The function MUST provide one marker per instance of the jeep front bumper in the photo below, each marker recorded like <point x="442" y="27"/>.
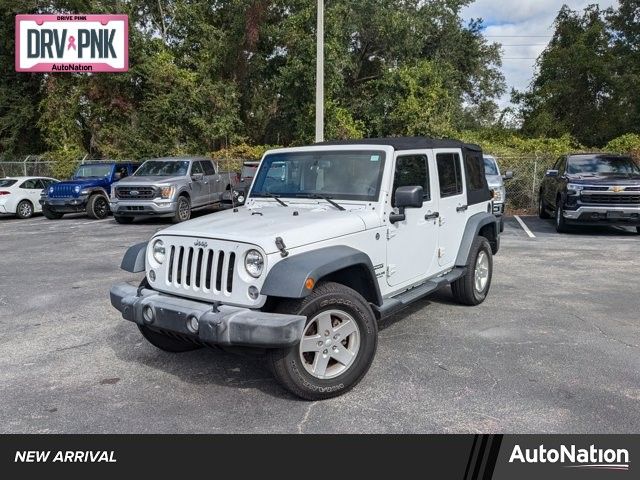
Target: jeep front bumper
<point x="65" y="205"/>
<point x="209" y="324"/>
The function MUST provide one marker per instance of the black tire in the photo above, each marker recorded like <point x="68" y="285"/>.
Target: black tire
<point x="24" y="209"/>
<point x="98" y="207"/>
<point x="561" y="224"/>
<point x="183" y="210"/>
<point x="288" y="364"/>
<point x="50" y="214"/>
<point x="542" y="211"/>
<point x="167" y="343"/>
<point x="464" y="289"/>
<point x="123" y="220"/>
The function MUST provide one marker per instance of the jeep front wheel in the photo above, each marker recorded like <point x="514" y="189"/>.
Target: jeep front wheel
<point x="337" y="348"/>
<point x="98" y="207"/>
<point x="473" y="287"/>
<point x="50" y="214"/>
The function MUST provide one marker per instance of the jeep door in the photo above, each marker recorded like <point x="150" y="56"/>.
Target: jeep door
<point x="200" y="186"/>
<point x="452" y="204"/>
<point x="412" y="243"/>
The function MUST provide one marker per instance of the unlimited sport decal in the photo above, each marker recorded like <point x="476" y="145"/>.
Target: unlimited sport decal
<point x="72" y="43"/>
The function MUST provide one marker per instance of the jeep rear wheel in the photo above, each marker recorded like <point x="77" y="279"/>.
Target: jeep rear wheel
<point x="98" y="207"/>
<point x="50" y="214"/>
<point x="337" y="348"/>
<point x="473" y="287"/>
<point x="167" y="343"/>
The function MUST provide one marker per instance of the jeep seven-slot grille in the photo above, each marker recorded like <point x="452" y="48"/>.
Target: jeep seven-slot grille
<point x="201" y="269"/>
<point x="62" y="191"/>
<point x="608" y="199"/>
<point x="136" y="193"/>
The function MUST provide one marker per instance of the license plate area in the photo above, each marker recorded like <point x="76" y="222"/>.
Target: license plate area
<point x="615" y="215"/>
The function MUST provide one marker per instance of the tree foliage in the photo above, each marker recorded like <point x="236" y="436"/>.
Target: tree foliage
<point x="211" y="74"/>
<point x="588" y="77"/>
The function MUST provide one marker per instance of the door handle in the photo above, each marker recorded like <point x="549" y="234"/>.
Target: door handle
<point x="432" y="216"/>
<point x="463" y="208"/>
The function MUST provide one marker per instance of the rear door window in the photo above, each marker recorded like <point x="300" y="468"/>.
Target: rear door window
<point x="208" y="168"/>
<point x="449" y="174"/>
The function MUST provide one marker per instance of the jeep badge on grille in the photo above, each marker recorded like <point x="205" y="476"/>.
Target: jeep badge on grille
<point x="202" y="244"/>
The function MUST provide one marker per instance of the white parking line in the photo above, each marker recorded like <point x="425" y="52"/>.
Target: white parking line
<point x="93" y="222"/>
<point x="524" y="227"/>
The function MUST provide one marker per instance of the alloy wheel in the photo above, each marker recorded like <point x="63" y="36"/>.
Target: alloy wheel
<point x="481" y="274"/>
<point x="330" y="344"/>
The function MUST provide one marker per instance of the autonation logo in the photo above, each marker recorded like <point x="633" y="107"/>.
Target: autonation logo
<point x="574" y="457"/>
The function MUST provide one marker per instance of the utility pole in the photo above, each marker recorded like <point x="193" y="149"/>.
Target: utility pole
<point x="320" y="74"/>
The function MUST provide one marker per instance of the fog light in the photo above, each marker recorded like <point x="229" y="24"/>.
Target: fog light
<point x="152" y="276"/>
<point x="147" y="315"/>
<point x="254" y="293"/>
<point x="193" y="325"/>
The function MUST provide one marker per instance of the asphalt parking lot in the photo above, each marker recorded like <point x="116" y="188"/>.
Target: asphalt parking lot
<point x="556" y="347"/>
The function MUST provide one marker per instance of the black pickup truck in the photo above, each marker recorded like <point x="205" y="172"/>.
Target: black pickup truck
<point x="592" y="189"/>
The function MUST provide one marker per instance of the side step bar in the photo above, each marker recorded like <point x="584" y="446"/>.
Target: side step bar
<point x="399" y="302"/>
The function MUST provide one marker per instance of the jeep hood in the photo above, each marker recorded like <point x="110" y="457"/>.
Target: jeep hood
<point x="83" y="182"/>
<point x="261" y="226"/>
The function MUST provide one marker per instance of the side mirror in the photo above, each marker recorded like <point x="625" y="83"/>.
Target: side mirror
<point x="508" y="176"/>
<point x="407" y="197"/>
<point x="197" y="177"/>
<point x="552" y="173"/>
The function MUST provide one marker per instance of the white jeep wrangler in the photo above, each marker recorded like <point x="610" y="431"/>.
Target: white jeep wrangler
<point x="333" y="238"/>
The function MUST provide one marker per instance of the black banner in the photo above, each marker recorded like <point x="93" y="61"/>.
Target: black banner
<point x="462" y="457"/>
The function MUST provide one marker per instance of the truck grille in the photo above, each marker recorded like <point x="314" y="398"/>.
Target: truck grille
<point x="201" y="269"/>
<point x="604" y="199"/>
<point x="62" y="191"/>
<point x="136" y="193"/>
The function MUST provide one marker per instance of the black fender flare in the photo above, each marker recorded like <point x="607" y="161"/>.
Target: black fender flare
<point x="472" y="230"/>
<point x="97" y="191"/>
<point x="287" y="279"/>
<point x="134" y="260"/>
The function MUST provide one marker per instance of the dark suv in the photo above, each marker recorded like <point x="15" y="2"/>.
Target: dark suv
<point x="592" y="189"/>
<point x="88" y="191"/>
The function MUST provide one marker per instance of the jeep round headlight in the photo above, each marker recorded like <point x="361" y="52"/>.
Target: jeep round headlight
<point x="159" y="252"/>
<point x="254" y="263"/>
<point x="77" y="189"/>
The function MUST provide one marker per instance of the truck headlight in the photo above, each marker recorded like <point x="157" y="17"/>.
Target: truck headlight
<point x="159" y="252"/>
<point x="499" y="195"/>
<point x="254" y="263"/>
<point x="167" y="192"/>
<point x="576" y="188"/>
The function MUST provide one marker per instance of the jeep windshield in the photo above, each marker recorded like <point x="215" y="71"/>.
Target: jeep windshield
<point x="339" y="175"/>
<point x="602" y="165"/>
<point x="93" y="171"/>
<point x="154" y="168"/>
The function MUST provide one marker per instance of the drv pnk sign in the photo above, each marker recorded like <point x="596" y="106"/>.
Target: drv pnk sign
<point x="72" y="43"/>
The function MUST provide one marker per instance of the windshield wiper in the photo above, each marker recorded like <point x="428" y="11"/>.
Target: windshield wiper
<point x="315" y="196"/>
<point x="276" y="198"/>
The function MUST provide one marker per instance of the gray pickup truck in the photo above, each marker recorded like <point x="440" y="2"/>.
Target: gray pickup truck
<point x="170" y="187"/>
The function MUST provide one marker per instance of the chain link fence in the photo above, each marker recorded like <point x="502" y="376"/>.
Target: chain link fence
<point x="528" y="172"/>
<point x="522" y="190"/>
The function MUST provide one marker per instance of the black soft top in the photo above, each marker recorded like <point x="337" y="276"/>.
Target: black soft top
<point x="407" y="143"/>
